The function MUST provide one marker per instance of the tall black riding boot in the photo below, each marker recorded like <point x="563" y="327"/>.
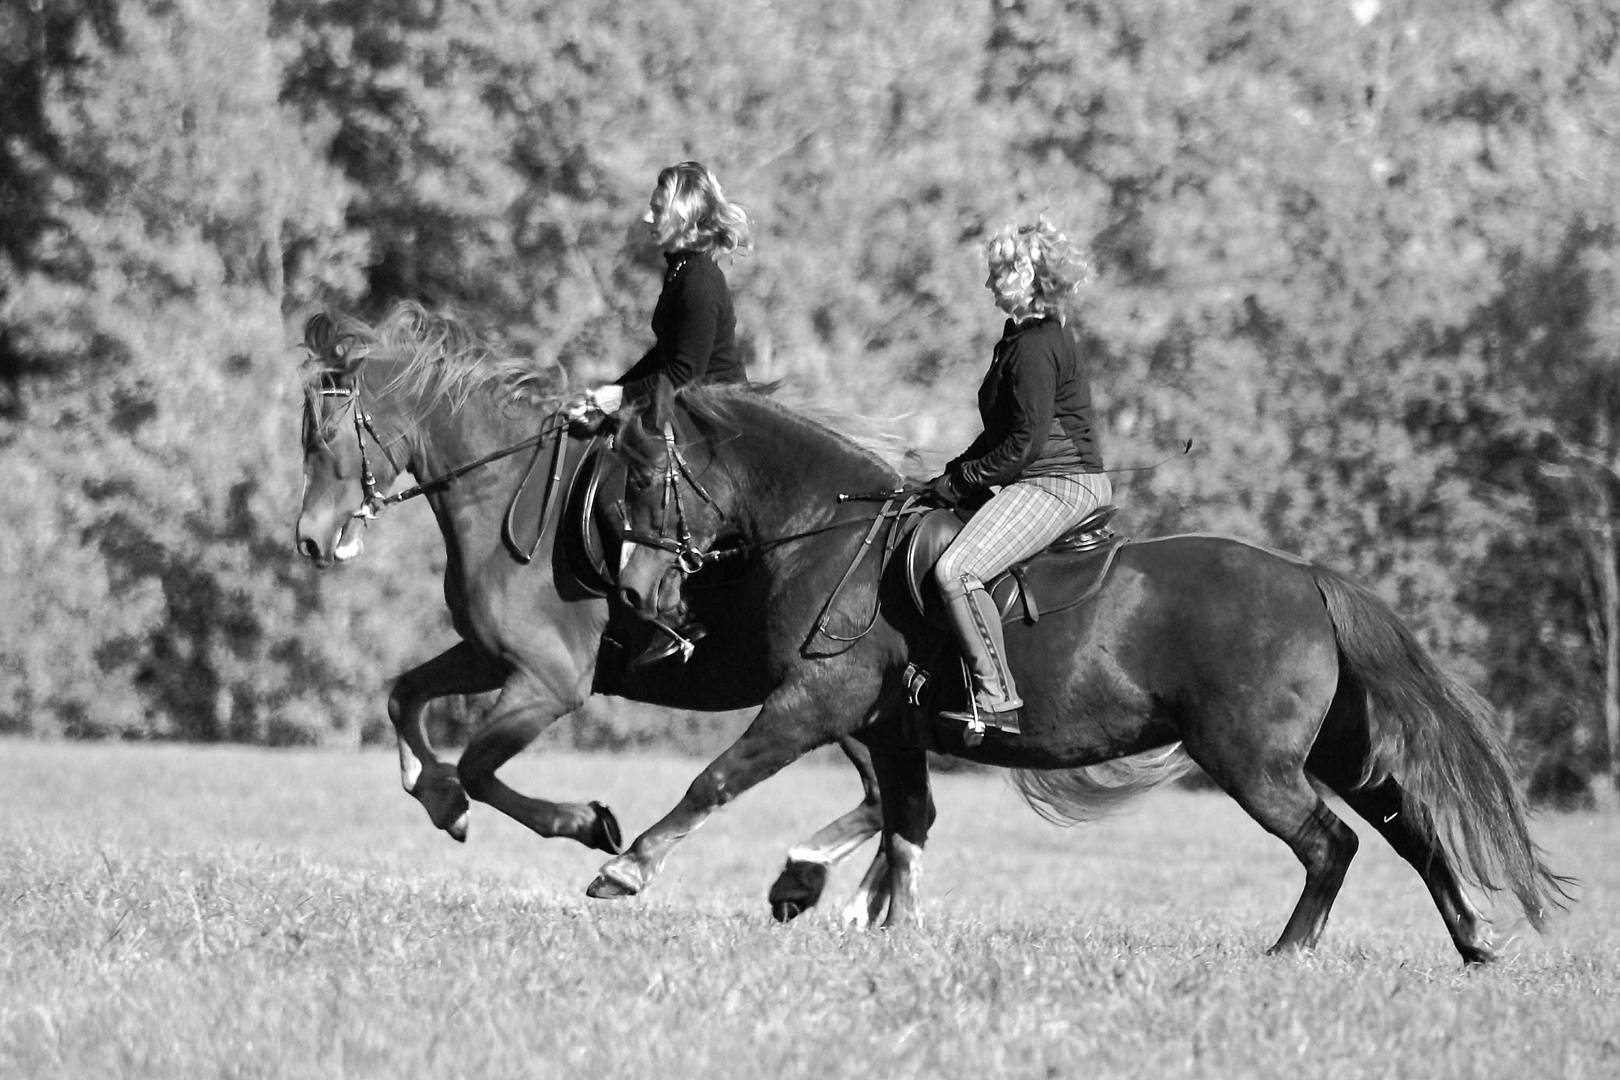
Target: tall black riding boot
<point x="977" y="624"/>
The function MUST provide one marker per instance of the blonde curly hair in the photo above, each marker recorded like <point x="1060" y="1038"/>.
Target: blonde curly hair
<point x="700" y="217"/>
<point x="1044" y="264"/>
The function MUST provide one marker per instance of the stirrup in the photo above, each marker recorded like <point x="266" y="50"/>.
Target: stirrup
<point x="977" y="720"/>
<point x="673" y="642"/>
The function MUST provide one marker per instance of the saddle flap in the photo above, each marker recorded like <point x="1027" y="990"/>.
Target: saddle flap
<point x="590" y="548"/>
<point x="568" y="489"/>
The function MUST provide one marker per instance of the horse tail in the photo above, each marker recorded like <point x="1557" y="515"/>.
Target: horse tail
<point x="1441" y="744"/>
<point x="1072" y="796"/>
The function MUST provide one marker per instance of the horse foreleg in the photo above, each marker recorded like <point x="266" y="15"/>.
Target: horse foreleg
<point x="779" y="734"/>
<point x="527" y="706"/>
<point x="802" y="880"/>
<point x="871" y="898"/>
<point x="460" y="669"/>
<point x="908" y="814"/>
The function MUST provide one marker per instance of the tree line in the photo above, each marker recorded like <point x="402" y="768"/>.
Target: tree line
<point x="1362" y="254"/>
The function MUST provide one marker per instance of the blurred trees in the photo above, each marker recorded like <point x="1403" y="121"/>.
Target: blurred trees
<point x="1363" y="254"/>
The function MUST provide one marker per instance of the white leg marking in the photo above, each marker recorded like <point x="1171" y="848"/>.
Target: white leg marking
<point x="907" y="858"/>
<point x="870" y="897"/>
<point x="410" y="770"/>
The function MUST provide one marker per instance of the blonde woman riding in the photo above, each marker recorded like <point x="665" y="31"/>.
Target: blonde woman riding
<point x="1038" y="452"/>
<point x="694" y="327"/>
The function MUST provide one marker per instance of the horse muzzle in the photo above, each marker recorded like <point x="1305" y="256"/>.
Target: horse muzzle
<point x="327" y="546"/>
<point x="650" y="583"/>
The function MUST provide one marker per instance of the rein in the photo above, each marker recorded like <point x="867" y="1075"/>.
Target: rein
<point x="375" y="501"/>
<point x="690" y="558"/>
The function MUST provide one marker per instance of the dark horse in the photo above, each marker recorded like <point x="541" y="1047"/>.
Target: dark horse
<point x="417" y="394"/>
<point x="1277" y="676"/>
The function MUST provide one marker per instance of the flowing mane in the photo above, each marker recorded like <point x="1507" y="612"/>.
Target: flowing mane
<point x="435" y="360"/>
<point x="715" y="407"/>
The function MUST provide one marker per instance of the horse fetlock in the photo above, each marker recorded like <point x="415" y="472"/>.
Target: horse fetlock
<point x="602" y="832"/>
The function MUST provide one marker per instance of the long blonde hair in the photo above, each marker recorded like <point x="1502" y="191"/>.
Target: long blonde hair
<point x="701" y="218"/>
<point x="1046" y="263"/>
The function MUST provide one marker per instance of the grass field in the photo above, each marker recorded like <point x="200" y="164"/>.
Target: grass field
<point x="183" y="912"/>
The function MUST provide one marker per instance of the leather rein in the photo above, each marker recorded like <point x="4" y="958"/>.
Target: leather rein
<point x="690" y="557"/>
<point x="376" y="502"/>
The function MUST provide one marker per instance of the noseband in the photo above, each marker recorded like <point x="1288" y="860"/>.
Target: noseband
<point x="556" y="426"/>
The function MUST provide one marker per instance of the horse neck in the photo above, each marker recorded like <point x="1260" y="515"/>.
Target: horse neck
<point x="792" y="473"/>
<point x="429" y="439"/>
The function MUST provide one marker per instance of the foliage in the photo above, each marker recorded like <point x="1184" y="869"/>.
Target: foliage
<point x="1364" y="255"/>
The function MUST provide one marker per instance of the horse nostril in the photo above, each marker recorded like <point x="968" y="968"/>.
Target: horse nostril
<point x="631" y="597"/>
<point x="309" y="549"/>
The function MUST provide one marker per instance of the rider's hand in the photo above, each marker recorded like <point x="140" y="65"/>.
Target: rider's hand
<point x="604" y="400"/>
<point x="942" y="489"/>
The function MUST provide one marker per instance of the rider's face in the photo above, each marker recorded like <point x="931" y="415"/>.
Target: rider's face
<point x="1010" y="293"/>
<point x="657" y="216"/>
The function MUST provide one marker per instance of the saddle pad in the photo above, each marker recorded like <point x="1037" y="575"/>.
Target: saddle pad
<point x="1060" y="577"/>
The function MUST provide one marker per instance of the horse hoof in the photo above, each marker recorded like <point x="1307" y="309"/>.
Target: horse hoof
<point x="605" y="835"/>
<point x="458" y="829"/>
<point x="797" y="890"/>
<point x="609" y="887"/>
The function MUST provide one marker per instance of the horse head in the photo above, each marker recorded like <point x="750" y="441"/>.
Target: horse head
<point x="342" y="477"/>
<point x="672" y="515"/>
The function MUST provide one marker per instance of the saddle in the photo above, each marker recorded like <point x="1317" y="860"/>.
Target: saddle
<point x="1068" y="572"/>
<point x="577" y="468"/>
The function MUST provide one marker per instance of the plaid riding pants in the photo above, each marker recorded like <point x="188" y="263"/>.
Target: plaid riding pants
<point x="1020" y="520"/>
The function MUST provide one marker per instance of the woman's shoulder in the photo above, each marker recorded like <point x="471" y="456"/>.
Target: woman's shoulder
<point x="1039" y="337"/>
<point x="704" y="276"/>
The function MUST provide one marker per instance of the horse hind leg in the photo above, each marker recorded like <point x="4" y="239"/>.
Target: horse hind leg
<point x="1285" y="804"/>
<point x="1338" y="759"/>
<point x="1324" y="844"/>
<point x="1381" y="805"/>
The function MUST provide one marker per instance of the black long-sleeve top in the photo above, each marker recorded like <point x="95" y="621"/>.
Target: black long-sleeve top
<point x="694" y="327"/>
<point x="1035" y="403"/>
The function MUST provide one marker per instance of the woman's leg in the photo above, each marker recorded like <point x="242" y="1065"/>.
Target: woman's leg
<point x="1019" y="521"/>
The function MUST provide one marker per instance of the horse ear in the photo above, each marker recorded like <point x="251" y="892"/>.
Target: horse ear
<point x="320" y="334"/>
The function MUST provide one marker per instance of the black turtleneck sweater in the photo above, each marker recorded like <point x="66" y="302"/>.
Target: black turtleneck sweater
<point x="1036" y="406"/>
<point x="694" y="327"/>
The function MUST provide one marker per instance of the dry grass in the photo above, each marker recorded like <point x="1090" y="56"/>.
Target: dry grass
<point x="185" y="912"/>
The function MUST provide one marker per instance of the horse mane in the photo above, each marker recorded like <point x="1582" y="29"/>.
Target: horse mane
<point x="436" y="360"/>
<point x="715" y="406"/>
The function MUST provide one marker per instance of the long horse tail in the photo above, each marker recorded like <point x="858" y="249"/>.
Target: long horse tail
<point x="1441" y="744"/>
<point x="1072" y="796"/>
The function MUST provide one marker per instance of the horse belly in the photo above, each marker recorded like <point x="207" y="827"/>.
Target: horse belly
<point x="1084" y="702"/>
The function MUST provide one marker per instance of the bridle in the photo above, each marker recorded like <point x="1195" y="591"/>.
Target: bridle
<point x="374" y="500"/>
<point x="689" y="558"/>
<point x="898" y="503"/>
